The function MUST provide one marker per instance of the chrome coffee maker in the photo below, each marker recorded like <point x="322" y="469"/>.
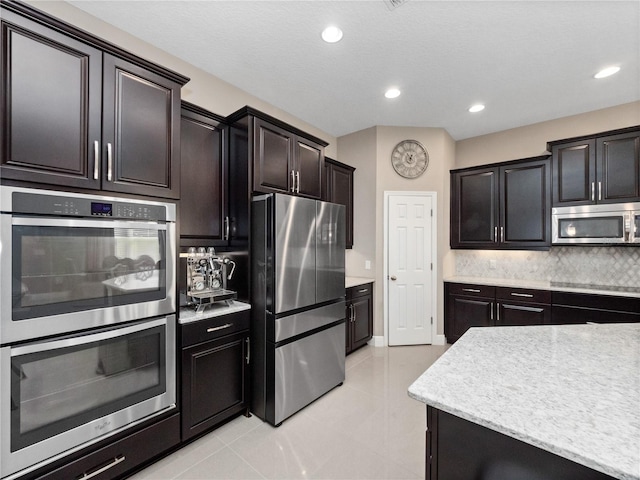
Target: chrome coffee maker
<point x="207" y="275"/>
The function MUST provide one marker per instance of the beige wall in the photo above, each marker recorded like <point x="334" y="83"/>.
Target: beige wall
<point x="531" y="140"/>
<point x="204" y="89"/>
<point x="370" y="152"/>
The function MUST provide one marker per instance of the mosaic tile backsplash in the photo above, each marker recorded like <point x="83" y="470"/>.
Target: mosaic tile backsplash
<point x="618" y="266"/>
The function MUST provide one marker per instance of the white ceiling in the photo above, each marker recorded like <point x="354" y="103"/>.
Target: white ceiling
<point x="528" y="61"/>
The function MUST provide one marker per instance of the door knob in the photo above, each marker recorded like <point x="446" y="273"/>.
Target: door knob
<point x="393" y="278"/>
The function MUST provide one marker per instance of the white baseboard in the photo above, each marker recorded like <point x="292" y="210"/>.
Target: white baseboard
<point x="439" y="340"/>
<point x="378" y="341"/>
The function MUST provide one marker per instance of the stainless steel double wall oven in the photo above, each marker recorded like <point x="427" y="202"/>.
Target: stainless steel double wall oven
<point x="87" y="321"/>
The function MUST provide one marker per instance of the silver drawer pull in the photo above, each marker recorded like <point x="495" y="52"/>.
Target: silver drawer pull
<point x="363" y="290"/>
<point x="528" y="295"/>
<point x="221" y="327"/>
<point x="116" y="461"/>
<point x="474" y="290"/>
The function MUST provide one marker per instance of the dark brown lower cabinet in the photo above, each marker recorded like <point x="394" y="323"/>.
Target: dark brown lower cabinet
<point x="359" y="315"/>
<point x="569" y="307"/>
<point x="215" y="372"/>
<point x="118" y="458"/>
<point x="469" y="305"/>
<point x="458" y="449"/>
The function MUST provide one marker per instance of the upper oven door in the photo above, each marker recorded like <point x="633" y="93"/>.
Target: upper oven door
<point x="64" y="275"/>
<point x="590" y="228"/>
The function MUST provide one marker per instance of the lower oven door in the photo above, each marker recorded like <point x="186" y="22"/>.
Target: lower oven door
<point x="61" y="395"/>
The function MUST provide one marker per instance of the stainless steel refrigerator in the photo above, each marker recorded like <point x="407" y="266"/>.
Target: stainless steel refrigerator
<point x="297" y="303"/>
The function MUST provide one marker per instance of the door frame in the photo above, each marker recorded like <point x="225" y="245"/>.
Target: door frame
<point x="434" y="256"/>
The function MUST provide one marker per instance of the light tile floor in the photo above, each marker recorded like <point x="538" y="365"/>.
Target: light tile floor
<point x="368" y="428"/>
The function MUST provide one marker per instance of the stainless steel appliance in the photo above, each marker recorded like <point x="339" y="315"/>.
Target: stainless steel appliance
<point x="73" y="261"/>
<point x="298" y="303"/>
<point x="207" y="276"/>
<point x="61" y="394"/>
<point x="87" y="321"/>
<point x="596" y="224"/>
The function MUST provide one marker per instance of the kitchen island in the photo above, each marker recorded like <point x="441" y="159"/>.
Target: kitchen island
<point x="531" y="403"/>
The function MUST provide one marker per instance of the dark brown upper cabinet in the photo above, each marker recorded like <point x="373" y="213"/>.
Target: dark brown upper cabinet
<point x="284" y="159"/>
<point x="79" y="112"/>
<point x="602" y="168"/>
<point x="502" y="206"/>
<point x="337" y="187"/>
<point x="204" y="217"/>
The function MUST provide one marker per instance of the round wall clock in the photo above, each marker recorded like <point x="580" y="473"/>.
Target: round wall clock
<point x="409" y="158"/>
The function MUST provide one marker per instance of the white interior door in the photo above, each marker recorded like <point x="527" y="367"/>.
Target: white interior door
<point x="410" y="242"/>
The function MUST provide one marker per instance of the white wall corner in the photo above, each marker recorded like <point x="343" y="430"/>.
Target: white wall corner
<point x="439" y="340"/>
<point x="376" y="341"/>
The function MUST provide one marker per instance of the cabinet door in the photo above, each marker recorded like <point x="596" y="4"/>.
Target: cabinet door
<point x="273" y="166"/>
<point x="362" y="322"/>
<point x="474" y="212"/>
<point x="466" y="312"/>
<point x="203" y="200"/>
<point x="309" y="161"/>
<point x="618" y="168"/>
<point x="522" y="314"/>
<point x="525" y="196"/>
<point x="51" y="105"/>
<point x="141" y="131"/>
<point x="214" y="382"/>
<point x="338" y="188"/>
<point x="574" y="173"/>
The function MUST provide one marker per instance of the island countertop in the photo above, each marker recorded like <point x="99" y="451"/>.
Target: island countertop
<point x="573" y="390"/>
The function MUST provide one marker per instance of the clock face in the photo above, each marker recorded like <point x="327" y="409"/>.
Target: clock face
<point x="410" y="159"/>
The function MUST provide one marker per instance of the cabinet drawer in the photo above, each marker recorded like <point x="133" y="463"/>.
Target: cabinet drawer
<point x="471" y="290"/>
<point x="360" y="290"/>
<point x="210" y="328"/>
<point x="525" y="295"/>
<point x="123" y="455"/>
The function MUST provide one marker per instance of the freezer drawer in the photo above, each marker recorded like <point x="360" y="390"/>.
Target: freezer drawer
<point x="306" y="369"/>
<point x="292" y="325"/>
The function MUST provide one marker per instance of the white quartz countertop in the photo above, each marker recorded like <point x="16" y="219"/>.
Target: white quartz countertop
<point x="188" y="314"/>
<point x="576" y="287"/>
<point x="355" y="281"/>
<point x="573" y="390"/>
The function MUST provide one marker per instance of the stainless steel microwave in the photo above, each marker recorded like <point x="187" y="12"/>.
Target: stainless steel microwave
<point x="617" y="223"/>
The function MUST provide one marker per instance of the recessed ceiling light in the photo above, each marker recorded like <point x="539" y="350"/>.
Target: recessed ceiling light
<point x="476" y="108"/>
<point x="606" y="72"/>
<point x="331" y="34"/>
<point x="392" y="93"/>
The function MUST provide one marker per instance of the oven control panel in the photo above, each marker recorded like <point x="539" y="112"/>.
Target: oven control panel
<point x="78" y="205"/>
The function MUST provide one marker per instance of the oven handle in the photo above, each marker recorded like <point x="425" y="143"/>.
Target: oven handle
<point x="84" y="339"/>
<point x="72" y="222"/>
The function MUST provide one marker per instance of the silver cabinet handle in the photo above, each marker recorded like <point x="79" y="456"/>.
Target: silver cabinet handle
<point x="593" y="191"/>
<point x="498" y="312"/>
<point x="293" y="181"/>
<point x="491" y="310"/>
<point x="298" y="181"/>
<point x="248" y="341"/>
<point x="116" y="461"/>
<point x="96" y="159"/>
<point x="502" y="234"/>
<point x="363" y="290"/>
<point x="528" y="295"/>
<point x="393" y="278"/>
<point x="221" y="327"/>
<point x="354" y="313"/>
<point x="599" y="190"/>
<point x="473" y="290"/>
<point x="226" y="228"/>
<point x="495" y="234"/>
<point x="109" y="162"/>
